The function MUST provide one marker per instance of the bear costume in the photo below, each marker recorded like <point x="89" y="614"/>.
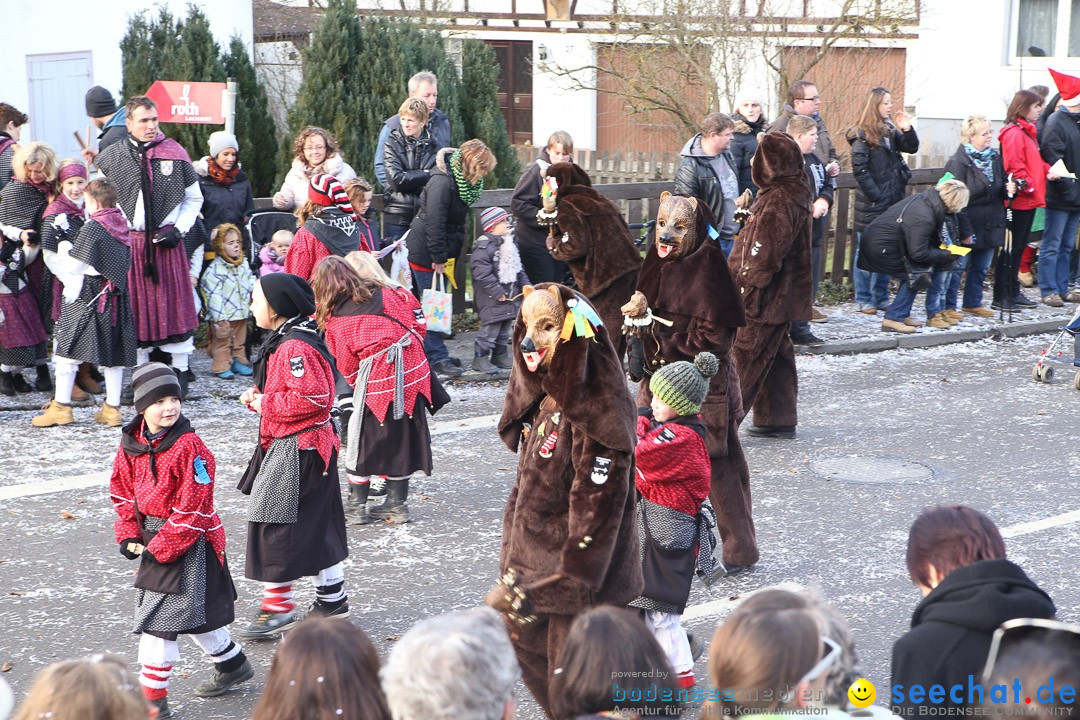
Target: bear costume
<point x="771" y="264"/>
<point x="592" y="238"/>
<point x="686" y="283"/>
<point x="569" y="529"/>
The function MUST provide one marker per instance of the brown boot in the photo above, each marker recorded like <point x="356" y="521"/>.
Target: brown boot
<point x="109" y="415"/>
<point x="55" y="414"/>
<point x="896" y="326"/>
<point x="78" y="395"/>
<point x="85" y="380"/>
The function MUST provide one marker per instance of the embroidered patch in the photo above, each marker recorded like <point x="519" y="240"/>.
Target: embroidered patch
<point x="600" y="469"/>
<point x="166" y="167"/>
<point x="556" y="418"/>
<point x="756" y="249"/>
<point x="418" y="313"/>
<point x="666" y="435"/>
<point x="296" y="366"/>
<point x="201" y="475"/>
<point x="549" y="444"/>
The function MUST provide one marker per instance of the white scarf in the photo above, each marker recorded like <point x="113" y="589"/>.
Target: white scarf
<point x="509" y="260"/>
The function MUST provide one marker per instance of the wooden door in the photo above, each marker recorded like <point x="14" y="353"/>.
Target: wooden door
<point x="515" y="87"/>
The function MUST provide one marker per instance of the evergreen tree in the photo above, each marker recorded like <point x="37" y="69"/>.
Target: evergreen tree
<point x="197" y="58"/>
<point x="254" y="126"/>
<point x="480" y="111"/>
<point x="144" y="47"/>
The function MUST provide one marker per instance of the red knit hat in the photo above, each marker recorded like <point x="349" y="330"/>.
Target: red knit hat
<point x="325" y="190"/>
<point x="1068" y="86"/>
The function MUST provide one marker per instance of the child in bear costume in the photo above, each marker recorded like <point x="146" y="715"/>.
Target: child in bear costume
<point x="569" y="538"/>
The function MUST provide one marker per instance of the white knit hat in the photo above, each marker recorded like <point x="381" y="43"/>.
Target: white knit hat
<point x="221" y="140"/>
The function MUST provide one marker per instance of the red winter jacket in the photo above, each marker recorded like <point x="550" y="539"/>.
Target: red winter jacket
<point x="179" y="495"/>
<point x="673" y="467"/>
<point x="355" y="332"/>
<point x="1020" y="151"/>
<point x="298" y="394"/>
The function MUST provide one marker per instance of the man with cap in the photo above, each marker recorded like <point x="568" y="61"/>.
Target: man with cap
<point x="1059" y="142"/>
<point x="158" y="190"/>
<point x="107" y="117"/>
<point x="497" y="282"/>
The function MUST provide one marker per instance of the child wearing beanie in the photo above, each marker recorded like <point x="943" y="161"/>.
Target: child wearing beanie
<point x="162" y="489"/>
<point x="497" y="281"/>
<point x="674" y="521"/>
<point x="226" y="286"/>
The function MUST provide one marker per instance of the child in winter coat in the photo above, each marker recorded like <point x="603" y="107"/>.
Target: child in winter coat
<point x="272" y="256"/>
<point x="360" y="193"/>
<point x="226" y="287"/>
<point x="673" y="480"/>
<point x="497" y="282"/>
<point x="376" y="334"/>
<point x="95" y="324"/>
<point x="162" y="489"/>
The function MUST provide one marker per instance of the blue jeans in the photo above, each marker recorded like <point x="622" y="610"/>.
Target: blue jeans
<point x="434" y="343"/>
<point x="871" y="289"/>
<point x="952" y="282"/>
<point x="935" y="296"/>
<point x="901" y="304"/>
<point x="978" y="262"/>
<point x="1059" y="236"/>
<point x="726" y="245"/>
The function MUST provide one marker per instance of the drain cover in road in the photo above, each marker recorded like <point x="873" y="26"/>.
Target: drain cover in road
<point x="871" y="469"/>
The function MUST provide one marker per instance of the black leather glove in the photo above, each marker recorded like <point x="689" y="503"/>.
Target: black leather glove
<point x="8" y="248"/>
<point x="169" y="238"/>
<point x="124" y="548"/>
<point x="32" y="237"/>
<point x="636" y="358"/>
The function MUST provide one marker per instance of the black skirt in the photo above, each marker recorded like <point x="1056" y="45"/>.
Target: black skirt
<point x="283" y="552"/>
<point x="103" y="338"/>
<point x="395" y="448"/>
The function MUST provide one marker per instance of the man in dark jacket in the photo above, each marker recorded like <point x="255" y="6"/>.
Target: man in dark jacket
<point x="707" y="172"/>
<point x="422" y="86"/>
<point x="1060" y="142"/>
<point x="804" y="99"/>
<point x="531" y="235"/>
<point x="107" y="117"/>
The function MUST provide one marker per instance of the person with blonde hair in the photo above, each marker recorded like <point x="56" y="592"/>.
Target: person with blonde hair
<point x="367" y="267"/>
<point x="22" y="204"/>
<point x="99" y="687"/>
<point x="315" y="152"/>
<point x="226" y="288"/>
<point x="408" y="159"/>
<point x="437" y="233"/>
<point x="422" y="86"/>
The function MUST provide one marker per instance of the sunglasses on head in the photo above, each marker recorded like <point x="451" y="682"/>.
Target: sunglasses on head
<point x="1012" y="632"/>
<point x="830" y="654"/>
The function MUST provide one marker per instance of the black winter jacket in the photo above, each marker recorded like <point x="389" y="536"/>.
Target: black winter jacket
<point x="985" y="210"/>
<point x="526" y="202"/>
<point x="880" y="172"/>
<point x="743" y="147"/>
<point x="695" y="177"/>
<point x="1060" y="140"/>
<point x="226" y="203"/>
<point x="438" y="230"/>
<point x="911" y="228"/>
<point x="408" y="162"/>
<point x="951" y="628"/>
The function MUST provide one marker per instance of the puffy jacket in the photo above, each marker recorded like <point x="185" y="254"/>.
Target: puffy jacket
<point x="985" y="210"/>
<point x="743" y="147"/>
<point x="295" y="187"/>
<point x="408" y="162"/>
<point x="225" y="203"/>
<point x="1060" y="140"/>
<point x="438" y="230"/>
<point x="1020" y="154"/>
<point x="880" y="172"/>
<point x="695" y="177"/>
<point x="910" y="228"/>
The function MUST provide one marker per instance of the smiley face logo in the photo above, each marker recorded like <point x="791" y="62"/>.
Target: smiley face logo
<point x="862" y="693"/>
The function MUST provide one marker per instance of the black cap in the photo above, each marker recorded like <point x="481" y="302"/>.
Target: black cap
<point x="99" y="102"/>
<point x="288" y="295"/>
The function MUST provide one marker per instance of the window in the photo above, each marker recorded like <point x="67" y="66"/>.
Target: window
<point x="1046" y="28"/>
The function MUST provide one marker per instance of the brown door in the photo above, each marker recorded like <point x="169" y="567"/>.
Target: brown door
<point x="515" y="87"/>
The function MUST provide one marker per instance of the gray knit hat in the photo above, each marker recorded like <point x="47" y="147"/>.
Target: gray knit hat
<point x="220" y="140"/>
<point x="682" y="386"/>
<point x="99" y="102"/>
<point x="152" y="382"/>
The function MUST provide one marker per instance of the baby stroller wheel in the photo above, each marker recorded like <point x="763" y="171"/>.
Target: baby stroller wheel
<point x="1076" y="381"/>
<point x="1035" y="373"/>
<point x="1043" y="374"/>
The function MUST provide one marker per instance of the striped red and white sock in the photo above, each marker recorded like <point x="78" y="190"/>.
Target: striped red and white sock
<point x="686" y="679"/>
<point x="155" y="681"/>
<point x="278" y="597"/>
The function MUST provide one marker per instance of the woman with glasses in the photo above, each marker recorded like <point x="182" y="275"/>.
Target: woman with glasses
<point x="881" y="174"/>
<point x="315" y="152"/>
<point x="956" y="557"/>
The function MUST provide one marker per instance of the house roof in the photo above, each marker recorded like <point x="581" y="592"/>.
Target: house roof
<point x="274" y="21"/>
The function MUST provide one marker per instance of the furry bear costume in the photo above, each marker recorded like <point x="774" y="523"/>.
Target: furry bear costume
<point x="572" y="511"/>
<point x="771" y="264"/>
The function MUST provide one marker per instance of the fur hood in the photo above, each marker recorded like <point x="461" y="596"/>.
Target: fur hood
<point x="442" y="159"/>
<point x="778" y="161"/>
<point x="585" y="378"/>
<point x="745" y="127"/>
<point x="742" y="128"/>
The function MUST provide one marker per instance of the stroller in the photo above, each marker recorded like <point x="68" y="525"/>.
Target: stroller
<point x="1043" y="372"/>
<point x="261" y="226"/>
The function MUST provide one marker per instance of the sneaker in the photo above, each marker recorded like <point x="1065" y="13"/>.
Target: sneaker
<point x="1026" y="279"/>
<point x="226" y="375"/>
<point x="868" y="310"/>
<point x="378" y="486"/>
<point x="895" y="326"/>
<point x="319" y="608"/>
<point x="808" y="339"/>
<point x="1053" y="300"/>
<point x="447" y="369"/>
<point x="818" y="317"/>
<point x="777" y="431"/>
<point x="912" y="322"/>
<point x="268" y="624"/>
<point x="162" y="705"/>
<point x="221" y="682"/>
<point x="1006" y="306"/>
<point x="240" y="368"/>
<point x="984" y="312"/>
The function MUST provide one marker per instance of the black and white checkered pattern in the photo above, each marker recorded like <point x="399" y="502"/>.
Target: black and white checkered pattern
<point x="275" y="492"/>
<point x="120" y="163"/>
<point x="161" y="612"/>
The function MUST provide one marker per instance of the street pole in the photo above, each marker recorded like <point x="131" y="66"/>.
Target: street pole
<point x="228" y="105"/>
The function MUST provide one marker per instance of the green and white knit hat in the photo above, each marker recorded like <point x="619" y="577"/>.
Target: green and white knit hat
<point x="682" y="386"/>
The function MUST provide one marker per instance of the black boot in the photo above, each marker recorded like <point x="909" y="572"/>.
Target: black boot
<point x="356" y="505"/>
<point x="181" y="375"/>
<point x="393" y="508"/>
<point x="127" y="396"/>
<point x="223" y="680"/>
<point x="7" y="383"/>
<point x="44" y="382"/>
<point x="501" y="359"/>
<point x="162" y="705"/>
<point x="20" y="384"/>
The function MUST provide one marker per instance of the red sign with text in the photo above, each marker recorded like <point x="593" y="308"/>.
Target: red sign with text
<point x="188" y="102"/>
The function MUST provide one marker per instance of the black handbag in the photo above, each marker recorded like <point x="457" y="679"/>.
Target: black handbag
<point x="919" y="277"/>
<point x="668" y="574"/>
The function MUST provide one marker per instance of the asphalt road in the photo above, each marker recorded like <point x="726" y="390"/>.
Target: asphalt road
<point x="880" y="437"/>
